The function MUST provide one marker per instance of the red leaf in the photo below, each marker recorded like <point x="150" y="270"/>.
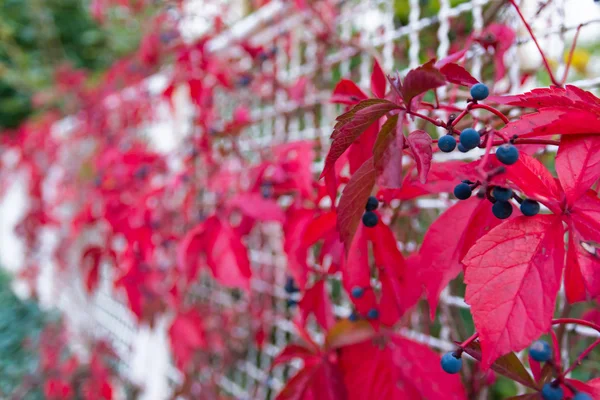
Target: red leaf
<point x="356" y="271"/>
<point x="554" y="121"/>
<point x="295" y="225"/>
<point x="290" y="352"/>
<point x="399" y="370"/>
<point x="585" y="215"/>
<point x="255" y="206"/>
<point x="419" y="143"/>
<point x="352" y="124"/>
<point x="316" y="301"/>
<point x="353" y="201"/>
<point x="513" y="275"/>
<point x="419" y="81"/>
<point x="346" y="92"/>
<point x="226" y="255"/>
<point x="447" y="240"/>
<point x="532" y="178"/>
<point x="399" y="291"/>
<point x="387" y="153"/>
<point x="582" y="274"/>
<point x="571" y="96"/>
<point x="186" y="335"/>
<point x="378" y="81"/>
<point x="91" y="259"/>
<point x="578" y="164"/>
<point x="189" y="251"/>
<point x="454" y="73"/>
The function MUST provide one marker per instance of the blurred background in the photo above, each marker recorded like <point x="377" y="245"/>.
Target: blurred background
<point x="63" y="60"/>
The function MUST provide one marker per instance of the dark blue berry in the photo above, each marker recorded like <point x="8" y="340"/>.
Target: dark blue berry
<point x="353" y="317"/>
<point x="582" y="396"/>
<point x="372" y="204"/>
<point x="469" y="138"/>
<point x="370" y="219"/>
<point x="540" y="351"/>
<point x="507" y="154"/>
<point x="550" y="392"/>
<point x="502" y="194"/>
<point x="373" y="313"/>
<point x="462" y="191"/>
<point x="290" y="286"/>
<point x="447" y="143"/>
<point x="502" y="209"/>
<point x="451" y="364"/>
<point x="479" y="91"/>
<point x="357" y="292"/>
<point x="461" y="148"/>
<point x="530" y="208"/>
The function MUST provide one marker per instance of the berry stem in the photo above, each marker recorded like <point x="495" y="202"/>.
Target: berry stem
<point x="579" y="359"/>
<point x="460" y="116"/>
<point x="426" y="118"/>
<point x="546" y="64"/>
<point x="488" y="147"/>
<point x="468" y="341"/>
<point x="474" y="106"/>
<point x="532" y="141"/>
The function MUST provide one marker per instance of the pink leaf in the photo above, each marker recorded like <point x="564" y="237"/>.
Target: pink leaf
<point x="578" y="164"/>
<point x="513" y="275"/>
<point x="356" y="271"/>
<point x="378" y="81"/>
<point x="585" y="216"/>
<point x="582" y="274"/>
<point x="255" y="206"/>
<point x="419" y="143"/>
<point x="186" y="335"/>
<point x="447" y="240"/>
<point x="316" y="301"/>
<point x="353" y="201"/>
<point x="554" y="121"/>
<point x="454" y="73"/>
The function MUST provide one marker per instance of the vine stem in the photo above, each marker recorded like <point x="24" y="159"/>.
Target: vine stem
<point x="474" y="106"/>
<point x="426" y="118"/>
<point x="488" y="148"/>
<point x="576" y="321"/>
<point x="557" y="364"/>
<point x="545" y="60"/>
<point x="570" y="59"/>
<point x="470" y="340"/>
<point x="580" y="358"/>
<point x="532" y="141"/>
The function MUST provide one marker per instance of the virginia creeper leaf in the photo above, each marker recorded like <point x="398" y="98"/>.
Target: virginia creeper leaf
<point x="513" y="275"/>
<point x="578" y="164"/>
<point x="454" y="73"/>
<point x="420" y="80"/>
<point x="378" y="80"/>
<point x="419" y="143"/>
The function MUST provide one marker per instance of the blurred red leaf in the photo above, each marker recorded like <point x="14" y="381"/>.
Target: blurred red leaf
<point x="419" y="143"/>
<point x="378" y="80"/>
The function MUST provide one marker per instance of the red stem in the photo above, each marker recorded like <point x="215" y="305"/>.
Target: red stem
<point x="488" y="147"/>
<point x="426" y="118"/>
<point x="570" y="59"/>
<point x="546" y="64"/>
<point x="581" y="357"/>
<point x="532" y="141"/>
<point x="557" y="361"/>
<point x="576" y="321"/>
<point x="497" y="113"/>
<point x="460" y="116"/>
<point x="470" y="340"/>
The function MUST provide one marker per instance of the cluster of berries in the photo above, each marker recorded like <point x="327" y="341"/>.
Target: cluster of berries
<point x="539" y="351"/>
<point x="357" y="292"/>
<point x="502" y="208"/>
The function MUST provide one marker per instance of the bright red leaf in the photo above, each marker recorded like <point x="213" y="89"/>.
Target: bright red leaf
<point x="420" y="80"/>
<point x="513" y="275"/>
<point x="419" y="143"/>
<point x="378" y="80"/>
<point x="454" y="73"/>
<point x="578" y="164"/>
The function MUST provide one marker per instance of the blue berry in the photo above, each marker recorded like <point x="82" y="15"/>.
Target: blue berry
<point x="502" y="209"/>
<point x="550" y="392"/>
<point x="451" y="364"/>
<point x="353" y="317"/>
<point x="447" y="143"/>
<point x="469" y="138"/>
<point x="540" y="351"/>
<point x="582" y="396"/>
<point x="530" y="208"/>
<point x="462" y="191"/>
<point x="290" y="286"/>
<point x="357" y="292"/>
<point x="507" y="154"/>
<point x="370" y="219"/>
<point x="291" y="303"/>
<point x="502" y="194"/>
<point x="372" y="204"/>
<point x="373" y="313"/>
<point x="479" y="91"/>
<point x="461" y="148"/>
